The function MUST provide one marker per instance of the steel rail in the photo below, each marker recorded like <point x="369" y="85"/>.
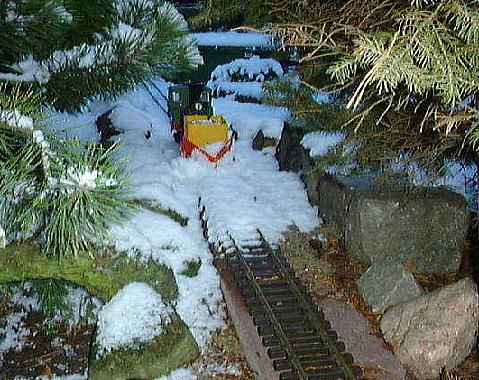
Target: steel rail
<point x="312" y="316"/>
<point x="285" y="343"/>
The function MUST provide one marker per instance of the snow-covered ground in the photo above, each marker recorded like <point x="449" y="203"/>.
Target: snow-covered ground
<point x="242" y="193"/>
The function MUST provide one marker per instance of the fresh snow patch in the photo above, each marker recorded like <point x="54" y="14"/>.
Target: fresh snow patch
<point x="15" y="119"/>
<point x="136" y="314"/>
<point x="247" y="89"/>
<point x="234" y="39"/>
<point x="180" y="374"/>
<point x="66" y="377"/>
<point x="28" y="70"/>
<point x="14" y="333"/>
<point x="319" y="142"/>
<point x="248" y="119"/>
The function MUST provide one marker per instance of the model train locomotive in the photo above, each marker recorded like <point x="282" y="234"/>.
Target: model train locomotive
<point x="193" y="124"/>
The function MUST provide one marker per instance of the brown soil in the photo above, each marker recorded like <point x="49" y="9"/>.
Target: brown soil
<point x="224" y="352"/>
<point x="50" y="349"/>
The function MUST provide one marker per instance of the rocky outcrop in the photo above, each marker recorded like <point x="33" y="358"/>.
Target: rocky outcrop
<point x="425" y="230"/>
<point x="387" y="283"/>
<point x="435" y="331"/>
<point x="260" y="141"/>
<point x="292" y="156"/>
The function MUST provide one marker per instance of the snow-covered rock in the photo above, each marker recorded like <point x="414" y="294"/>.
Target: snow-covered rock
<point x="136" y="314"/>
<point x="435" y="331"/>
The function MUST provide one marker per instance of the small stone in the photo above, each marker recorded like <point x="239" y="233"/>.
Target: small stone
<point x="387" y="283"/>
<point x="435" y="331"/>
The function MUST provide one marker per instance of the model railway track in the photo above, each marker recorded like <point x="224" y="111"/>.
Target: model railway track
<point x="299" y="341"/>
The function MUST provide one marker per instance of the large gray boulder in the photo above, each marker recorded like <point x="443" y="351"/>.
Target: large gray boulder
<point x="387" y="283"/>
<point x="425" y="229"/>
<point x="435" y="331"/>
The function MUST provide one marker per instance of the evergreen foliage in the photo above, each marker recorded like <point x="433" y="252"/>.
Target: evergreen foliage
<point x="60" y="53"/>
<point x="218" y="13"/>
<point x="73" y="49"/>
<point x="407" y="71"/>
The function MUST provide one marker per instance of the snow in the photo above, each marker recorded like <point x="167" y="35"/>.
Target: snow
<point x="319" y="142"/>
<point x="254" y="68"/>
<point x="231" y="38"/>
<point x="179" y="374"/>
<point x="82" y="304"/>
<point x="243" y="192"/>
<point x="248" y="119"/>
<point x="15" y="119"/>
<point x="136" y="314"/>
<point x="244" y="76"/>
<point x="14" y="333"/>
<point x="28" y="70"/>
<point x="67" y="377"/>
<point x="456" y="176"/>
<point x="249" y="89"/>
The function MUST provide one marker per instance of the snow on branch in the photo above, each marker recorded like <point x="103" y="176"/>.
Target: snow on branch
<point x="244" y="77"/>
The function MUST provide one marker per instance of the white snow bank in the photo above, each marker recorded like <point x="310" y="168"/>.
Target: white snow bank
<point x="249" y="39"/>
<point x="251" y="193"/>
<point x="136" y="314"/>
<point x="243" y="192"/>
<point x="248" y="119"/>
<point x="319" y="142"/>
<point x="28" y="70"/>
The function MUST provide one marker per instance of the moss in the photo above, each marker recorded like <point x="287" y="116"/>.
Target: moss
<point x="158" y="208"/>
<point x="173" y="349"/>
<point x="192" y="268"/>
<point x="102" y="276"/>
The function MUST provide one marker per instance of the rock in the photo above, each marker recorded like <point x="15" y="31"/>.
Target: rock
<point x="173" y="349"/>
<point x="387" y="283"/>
<point x="260" y="141"/>
<point x="292" y="156"/>
<point x="2" y="238"/>
<point x="435" y="331"/>
<point x="334" y="200"/>
<point x="425" y="230"/>
<point x="290" y="153"/>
